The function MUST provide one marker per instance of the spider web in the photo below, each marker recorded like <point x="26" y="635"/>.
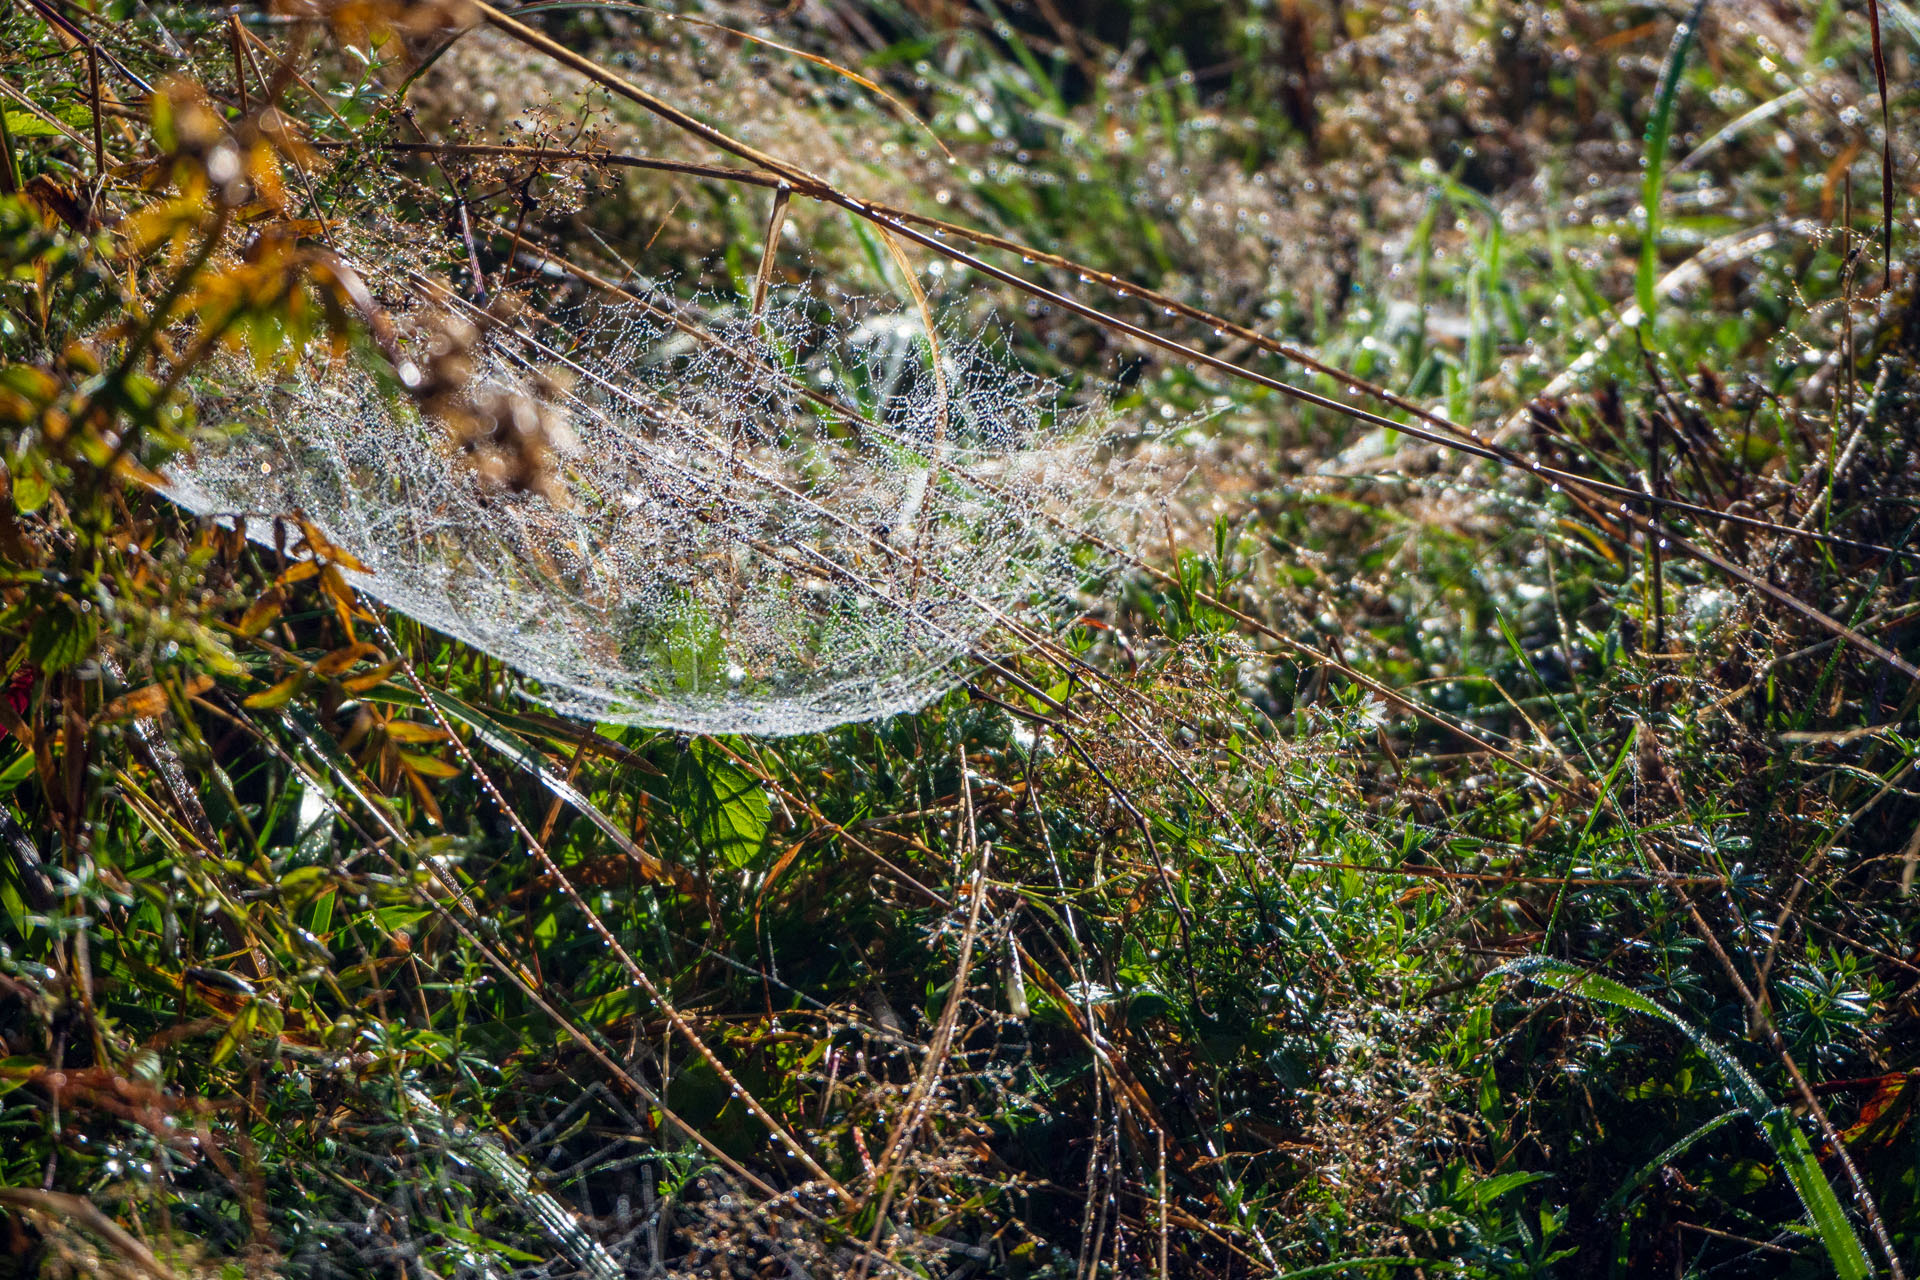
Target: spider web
<point x="764" y="523"/>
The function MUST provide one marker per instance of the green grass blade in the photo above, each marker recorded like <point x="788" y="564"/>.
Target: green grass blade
<point x="1796" y="1155"/>
<point x="1350" y="1266"/>
<point x="1672" y="1153"/>
<point x="1659" y="133"/>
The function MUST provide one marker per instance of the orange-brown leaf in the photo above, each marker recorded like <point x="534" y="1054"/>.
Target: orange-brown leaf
<point x="372" y="679"/>
<point x="342" y="658"/>
<point x="146" y="703"/>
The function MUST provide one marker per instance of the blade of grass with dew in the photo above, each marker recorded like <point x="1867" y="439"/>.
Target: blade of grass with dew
<point x="1797" y="1160"/>
<point x="1654" y="181"/>
<point x="1672" y="1153"/>
<point x="470" y="1145"/>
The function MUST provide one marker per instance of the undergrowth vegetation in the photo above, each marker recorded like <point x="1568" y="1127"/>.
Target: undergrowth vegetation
<point x="1462" y="824"/>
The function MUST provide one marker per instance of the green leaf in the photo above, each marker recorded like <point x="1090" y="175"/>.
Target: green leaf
<point x="16" y="1071"/>
<point x="237" y="1031"/>
<point x="18" y="770"/>
<point x="60" y="637"/>
<point x="723" y="805"/>
<point x="1848" y="1255"/>
<point x="1350" y="1266"/>
<point x="34" y="385"/>
<point x="22" y="125"/>
<point x="1488" y="1190"/>
<point x="213" y="652"/>
<point x="16" y="910"/>
<point x="1653" y="183"/>
<point x="611" y="1006"/>
<point x="30" y="490"/>
<point x="321" y="918"/>
<point x="474" y="1240"/>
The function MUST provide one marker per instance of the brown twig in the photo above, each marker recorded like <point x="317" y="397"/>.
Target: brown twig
<point x="93" y="93"/>
<point x="62" y="1207"/>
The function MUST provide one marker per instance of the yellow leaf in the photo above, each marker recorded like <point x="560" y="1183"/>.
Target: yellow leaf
<point x="419" y="788"/>
<point x="322" y="549"/>
<point x="1595" y="540"/>
<point x="278" y="696"/>
<point x="430" y="766"/>
<point x="334" y="583"/>
<point x="128" y="469"/>
<point x="410" y="731"/>
<point x="260" y="614"/>
<point x="264" y="169"/>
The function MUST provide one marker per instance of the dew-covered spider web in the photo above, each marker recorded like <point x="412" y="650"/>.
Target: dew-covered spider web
<point x="705" y="519"/>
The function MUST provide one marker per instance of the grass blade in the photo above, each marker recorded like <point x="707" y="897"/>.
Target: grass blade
<point x="1848" y="1255"/>
<point x="1672" y="1153"/>
<point x="1886" y="147"/>
<point x="1654" y="181"/>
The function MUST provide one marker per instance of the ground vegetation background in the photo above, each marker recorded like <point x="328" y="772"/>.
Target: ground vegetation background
<point x="1467" y="829"/>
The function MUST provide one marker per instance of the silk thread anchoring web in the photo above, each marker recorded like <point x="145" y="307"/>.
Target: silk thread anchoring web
<point x="660" y="522"/>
